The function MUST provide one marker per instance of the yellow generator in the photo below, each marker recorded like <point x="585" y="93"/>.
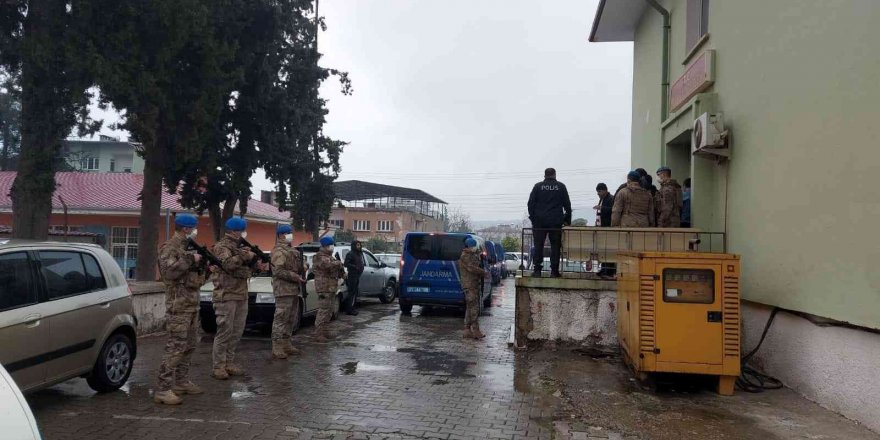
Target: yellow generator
<point x="679" y="312"/>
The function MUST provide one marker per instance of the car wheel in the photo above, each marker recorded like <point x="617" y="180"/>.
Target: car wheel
<point x="113" y="366"/>
<point x="209" y="322"/>
<point x="297" y="323"/>
<point x="389" y="292"/>
<point x="405" y="307"/>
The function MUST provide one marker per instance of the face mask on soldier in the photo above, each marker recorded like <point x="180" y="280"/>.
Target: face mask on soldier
<point x="288" y="238"/>
<point x="192" y="233"/>
<point x="244" y="234"/>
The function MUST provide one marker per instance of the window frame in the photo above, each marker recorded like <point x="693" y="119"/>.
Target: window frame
<point x="45" y="282"/>
<point x="373" y="257"/>
<point x="379" y="224"/>
<point x="126" y="246"/>
<point x="36" y="282"/>
<point x="336" y="223"/>
<point x="696" y="15"/>
<point x="87" y="165"/>
<point x="358" y="223"/>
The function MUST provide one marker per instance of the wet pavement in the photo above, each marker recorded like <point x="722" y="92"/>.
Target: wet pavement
<point x="401" y="377"/>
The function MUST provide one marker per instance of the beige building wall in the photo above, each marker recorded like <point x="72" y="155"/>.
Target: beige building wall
<point x="797" y="83"/>
<point x="402" y="222"/>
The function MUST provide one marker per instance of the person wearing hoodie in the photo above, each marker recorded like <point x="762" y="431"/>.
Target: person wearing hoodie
<point x="670" y="200"/>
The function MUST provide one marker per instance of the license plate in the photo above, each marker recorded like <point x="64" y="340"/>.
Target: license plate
<point x="418" y="289"/>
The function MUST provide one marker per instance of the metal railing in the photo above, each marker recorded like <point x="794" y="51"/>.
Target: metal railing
<point x="595" y="250"/>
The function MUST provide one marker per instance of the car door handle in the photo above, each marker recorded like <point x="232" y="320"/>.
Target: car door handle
<point x="104" y="303"/>
<point x="32" y="321"/>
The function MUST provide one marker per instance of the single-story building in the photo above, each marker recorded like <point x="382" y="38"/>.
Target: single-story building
<point x="107" y="204"/>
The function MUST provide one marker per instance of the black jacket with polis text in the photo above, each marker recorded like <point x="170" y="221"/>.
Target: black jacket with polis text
<point x="549" y="204"/>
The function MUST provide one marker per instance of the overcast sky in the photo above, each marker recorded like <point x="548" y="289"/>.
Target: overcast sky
<point x="470" y="100"/>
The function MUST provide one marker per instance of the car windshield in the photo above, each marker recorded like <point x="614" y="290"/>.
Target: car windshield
<point x="435" y="247"/>
<point x="390" y="260"/>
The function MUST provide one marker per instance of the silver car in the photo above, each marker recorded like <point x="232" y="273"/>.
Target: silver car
<point x="65" y="312"/>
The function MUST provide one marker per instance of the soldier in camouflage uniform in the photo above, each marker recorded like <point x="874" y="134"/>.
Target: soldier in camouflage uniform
<point x="231" y="297"/>
<point x="183" y="275"/>
<point x="669" y="200"/>
<point x="471" y="275"/>
<point x="287" y="270"/>
<point x="633" y="205"/>
<point x="328" y="271"/>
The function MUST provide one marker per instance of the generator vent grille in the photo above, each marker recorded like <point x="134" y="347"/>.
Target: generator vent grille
<point x="731" y="316"/>
<point x="646" y="313"/>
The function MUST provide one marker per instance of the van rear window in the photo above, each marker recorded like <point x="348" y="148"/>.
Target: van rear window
<point x="435" y="247"/>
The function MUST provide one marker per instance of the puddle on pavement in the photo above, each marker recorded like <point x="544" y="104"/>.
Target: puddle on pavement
<point x="437" y="363"/>
<point x="386" y="348"/>
<point x="242" y="391"/>
<point x="350" y="368"/>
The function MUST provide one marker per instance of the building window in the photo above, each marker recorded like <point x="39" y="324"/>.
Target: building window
<point x="697" y="22"/>
<point x="126" y="170"/>
<point x="338" y="224"/>
<point x="112" y="165"/>
<point x="89" y="164"/>
<point x="362" y="225"/>
<point x="384" y="225"/>
<point x="60" y="228"/>
<point x="124" y="246"/>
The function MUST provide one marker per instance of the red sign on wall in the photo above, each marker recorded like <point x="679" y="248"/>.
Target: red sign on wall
<point x="695" y="79"/>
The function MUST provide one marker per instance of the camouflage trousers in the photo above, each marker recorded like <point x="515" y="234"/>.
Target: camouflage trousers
<point x="326" y="305"/>
<point x="472" y="304"/>
<point x="182" y="338"/>
<point x="231" y="318"/>
<point x="286" y="312"/>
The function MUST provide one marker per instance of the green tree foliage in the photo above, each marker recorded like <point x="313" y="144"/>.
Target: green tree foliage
<point x="579" y="222"/>
<point x="45" y="44"/>
<point x="272" y="119"/>
<point x="166" y="64"/>
<point x="377" y="245"/>
<point x="511" y="244"/>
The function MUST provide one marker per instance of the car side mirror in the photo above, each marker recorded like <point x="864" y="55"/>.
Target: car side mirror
<point x="382" y="265"/>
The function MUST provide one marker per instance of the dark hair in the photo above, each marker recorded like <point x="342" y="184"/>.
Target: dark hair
<point x="601" y="187"/>
<point x="646" y="181"/>
<point x="550" y="172"/>
<point x="687" y="182"/>
<point x="642" y="172"/>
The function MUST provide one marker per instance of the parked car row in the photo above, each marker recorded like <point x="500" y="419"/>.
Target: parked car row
<point x="378" y="280"/>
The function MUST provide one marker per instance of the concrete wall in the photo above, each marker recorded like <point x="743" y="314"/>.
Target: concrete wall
<point x="796" y="84"/>
<point x="833" y="366"/>
<point x="576" y="311"/>
<point x="148" y="299"/>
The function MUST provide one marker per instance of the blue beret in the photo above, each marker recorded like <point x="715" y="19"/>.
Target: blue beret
<point x="634" y="176"/>
<point x="236" y="224"/>
<point x="327" y="241"/>
<point x="470" y="242"/>
<point x="186" y="220"/>
<point x="284" y="229"/>
<point x="664" y="169"/>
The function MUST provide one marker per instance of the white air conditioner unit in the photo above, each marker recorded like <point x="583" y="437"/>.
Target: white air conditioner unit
<point x="709" y="138"/>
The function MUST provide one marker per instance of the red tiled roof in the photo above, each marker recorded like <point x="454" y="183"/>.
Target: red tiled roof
<point x="115" y="192"/>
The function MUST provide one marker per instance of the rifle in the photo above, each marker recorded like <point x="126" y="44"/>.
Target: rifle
<point x="207" y="256"/>
<point x="258" y="253"/>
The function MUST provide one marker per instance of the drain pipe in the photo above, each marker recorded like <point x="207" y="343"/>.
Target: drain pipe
<point x="664" y="82"/>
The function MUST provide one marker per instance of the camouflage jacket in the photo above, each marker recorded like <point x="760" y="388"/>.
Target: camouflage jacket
<point x="327" y="272"/>
<point x="231" y="282"/>
<point x="469" y="270"/>
<point x="287" y="265"/>
<point x="181" y="275"/>
<point x="633" y="207"/>
<point x="669" y="207"/>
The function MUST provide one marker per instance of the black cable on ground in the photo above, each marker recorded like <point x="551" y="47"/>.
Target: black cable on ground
<point x="751" y="380"/>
